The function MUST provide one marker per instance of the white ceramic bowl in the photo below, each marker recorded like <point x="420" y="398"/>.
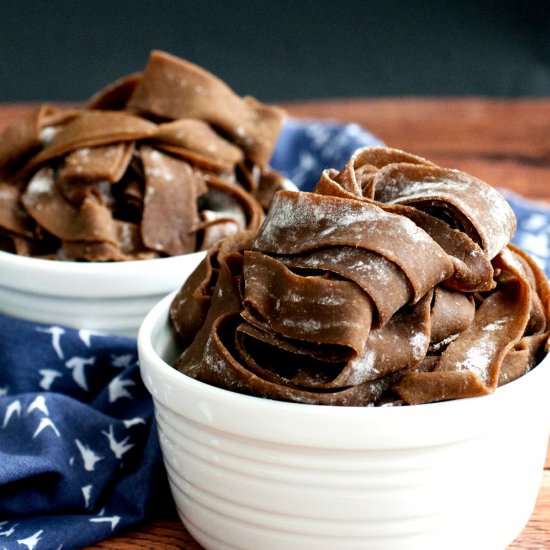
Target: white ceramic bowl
<point x="109" y="297"/>
<point x="250" y="473"/>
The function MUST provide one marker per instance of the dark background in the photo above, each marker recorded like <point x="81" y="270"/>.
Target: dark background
<point x="281" y="49"/>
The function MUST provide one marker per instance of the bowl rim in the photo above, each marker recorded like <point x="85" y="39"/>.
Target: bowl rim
<point x="74" y="267"/>
<point x="87" y="279"/>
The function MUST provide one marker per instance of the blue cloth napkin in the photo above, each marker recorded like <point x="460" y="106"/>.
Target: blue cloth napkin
<point x="306" y="148"/>
<point x="79" y="456"/>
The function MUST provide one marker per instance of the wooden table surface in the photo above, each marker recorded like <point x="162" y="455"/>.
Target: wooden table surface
<point x="504" y="142"/>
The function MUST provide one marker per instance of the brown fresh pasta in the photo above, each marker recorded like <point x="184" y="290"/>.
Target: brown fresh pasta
<point x="393" y="283"/>
<point x="159" y="163"/>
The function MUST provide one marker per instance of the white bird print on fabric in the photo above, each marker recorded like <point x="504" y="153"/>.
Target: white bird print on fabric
<point x="117" y="389"/>
<point x="56" y="333"/>
<point x="39" y="404"/>
<point x="77" y="365"/>
<point x="46" y="423"/>
<point x="85" y="335"/>
<point x="89" y="457"/>
<point x="122" y="361"/>
<point x="13" y="408"/>
<point x="32" y="541"/>
<point x="8" y="532"/>
<point x="133" y="421"/>
<point x="86" y="492"/>
<point x="3" y="391"/>
<point x="48" y="377"/>
<point x="119" y="448"/>
<point x="113" y="520"/>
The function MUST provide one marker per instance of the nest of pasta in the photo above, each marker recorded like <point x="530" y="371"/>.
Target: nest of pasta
<point x="393" y="283"/>
<point x="160" y="163"/>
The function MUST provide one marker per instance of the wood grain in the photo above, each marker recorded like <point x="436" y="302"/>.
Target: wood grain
<point x="505" y="142"/>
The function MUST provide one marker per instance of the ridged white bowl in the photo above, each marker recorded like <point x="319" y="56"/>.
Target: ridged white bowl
<point x="110" y="297"/>
<point x="250" y="473"/>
